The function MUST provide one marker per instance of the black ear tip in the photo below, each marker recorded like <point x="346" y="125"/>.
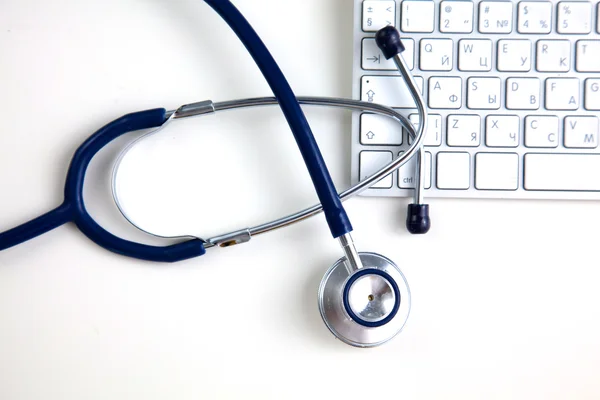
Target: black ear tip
<point x="417" y="219"/>
<point x="387" y="31"/>
<point x="388" y="40"/>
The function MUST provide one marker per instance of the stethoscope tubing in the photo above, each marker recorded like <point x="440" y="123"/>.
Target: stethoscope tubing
<point x="73" y="207"/>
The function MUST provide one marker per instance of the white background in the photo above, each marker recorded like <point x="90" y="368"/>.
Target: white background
<point x="506" y="294"/>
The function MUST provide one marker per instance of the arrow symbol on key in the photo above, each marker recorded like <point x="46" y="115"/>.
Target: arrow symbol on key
<point x="389" y="9"/>
<point x="370" y="95"/>
<point x="375" y="59"/>
<point x="370" y="135"/>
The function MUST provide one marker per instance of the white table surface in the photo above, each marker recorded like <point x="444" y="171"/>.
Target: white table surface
<point x="506" y="294"/>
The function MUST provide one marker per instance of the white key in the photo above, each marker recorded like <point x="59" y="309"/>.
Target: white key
<point x="417" y="16"/>
<point x="433" y="135"/>
<point x="464" y="130"/>
<point x="514" y="55"/>
<point x="475" y="55"/>
<point x="436" y="54"/>
<point x="406" y="175"/>
<point x="541" y="131"/>
<point x="535" y="17"/>
<point x="592" y="94"/>
<point x="562" y="93"/>
<point x="388" y="90"/>
<point x="495" y="16"/>
<point x="574" y="17"/>
<point x="483" y="93"/>
<point x="562" y="172"/>
<point x="581" y="132"/>
<point x="588" y="56"/>
<point x="372" y="59"/>
<point x="598" y="19"/>
<point x="553" y="56"/>
<point x="453" y="170"/>
<point x="379" y="130"/>
<point x="373" y="161"/>
<point x="523" y="93"/>
<point x="445" y="92"/>
<point x="456" y="16"/>
<point x="502" y="131"/>
<point x="409" y="52"/>
<point x="497" y="171"/>
<point x="378" y="14"/>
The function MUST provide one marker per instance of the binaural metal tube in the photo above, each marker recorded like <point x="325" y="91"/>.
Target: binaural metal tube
<point x="355" y="105"/>
<point x="420" y="172"/>
<point x="420" y="132"/>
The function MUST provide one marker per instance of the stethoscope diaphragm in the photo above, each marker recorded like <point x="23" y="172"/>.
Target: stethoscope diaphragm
<point x="367" y="307"/>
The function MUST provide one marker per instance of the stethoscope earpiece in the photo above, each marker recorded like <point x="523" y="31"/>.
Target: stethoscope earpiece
<point x="417" y="219"/>
<point x="368" y="306"/>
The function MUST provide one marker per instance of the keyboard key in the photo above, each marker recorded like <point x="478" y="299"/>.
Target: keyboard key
<point x="592" y="94"/>
<point x="373" y="161"/>
<point x="456" y="16"/>
<point x="523" y="93"/>
<point x="553" y="56"/>
<point x="497" y="171"/>
<point x="379" y="130"/>
<point x="464" y="130"/>
<point x="372" y="59"/>
<point x="433" y="135"/>
<point x="574" y="17"/>
<point x="378" y="14"/>
<point x="453" y="170"/>
<point x="541" y="131"/>
<point x="436" y="54"/>
<point x="569" y="172"/>
<point x="588" y="56"/>
<point x="388" y="90"/>
<point x="495" y="17"/>
<point x="406" y="175"/>
<point x="502" y="131"/>
<point x="445" y="92"/>
<point x="562" y="93"/>
<point x="514" y="55"/>
<point x="483" y="93"/>
<point x="535" y="17"/>
<point x="417" y="16"/>
<point x="409" y="52"/>
<point x="581" y="132"/>
<point x="475" y="55"/>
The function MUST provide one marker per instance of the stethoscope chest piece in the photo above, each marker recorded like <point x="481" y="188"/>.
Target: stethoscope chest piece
<point x="367" y="307"/>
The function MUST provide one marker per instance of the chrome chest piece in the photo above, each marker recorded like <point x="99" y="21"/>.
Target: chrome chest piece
<point x="365" y="307"/>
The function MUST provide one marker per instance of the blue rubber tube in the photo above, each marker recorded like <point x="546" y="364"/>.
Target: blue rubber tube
<point x="73" y="208"/>
<point x="336" y="216"/>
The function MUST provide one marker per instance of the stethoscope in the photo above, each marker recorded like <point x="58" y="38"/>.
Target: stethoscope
<point x="364" y="298"/>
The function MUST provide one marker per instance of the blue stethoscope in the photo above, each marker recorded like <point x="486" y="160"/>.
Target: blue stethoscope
<point x="363" y="298"/>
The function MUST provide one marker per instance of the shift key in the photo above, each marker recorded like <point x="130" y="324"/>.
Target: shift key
<point x="564" y="172"/>
<point x="388" y="90"/>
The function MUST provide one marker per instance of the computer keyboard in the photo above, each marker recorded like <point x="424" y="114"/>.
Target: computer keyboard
<point x="513" y="91"/>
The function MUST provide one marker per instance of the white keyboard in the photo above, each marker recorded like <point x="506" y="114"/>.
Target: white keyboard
<point x="513" y="91"/>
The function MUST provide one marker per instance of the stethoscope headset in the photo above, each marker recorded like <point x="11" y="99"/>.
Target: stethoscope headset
<point x="364" y="298"/>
